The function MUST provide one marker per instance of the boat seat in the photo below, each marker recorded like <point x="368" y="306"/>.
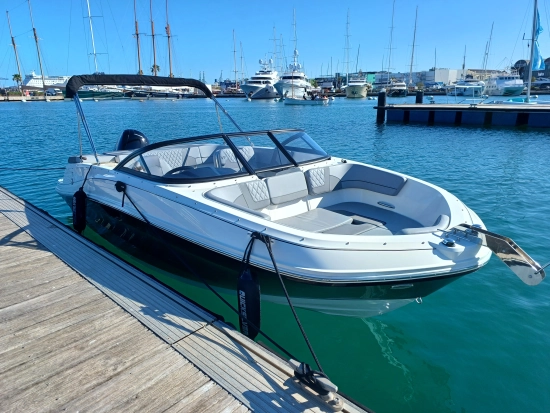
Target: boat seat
<point x="347" y="175"/>
<point x="156" y="165"/>
<point x="286" y="187"/>
<point x="248" y="196"/>
<point x="442" y="222"/>
<point x="225" y="158"/>
<point x="316" y="220"/>
<point x="359" y="226"/>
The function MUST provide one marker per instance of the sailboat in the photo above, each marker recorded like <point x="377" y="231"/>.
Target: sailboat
<point x="394" y="88"/>
<point x="536" y="62"/>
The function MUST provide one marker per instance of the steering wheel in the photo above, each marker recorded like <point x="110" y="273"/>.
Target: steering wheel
<point x="179" y="169"/>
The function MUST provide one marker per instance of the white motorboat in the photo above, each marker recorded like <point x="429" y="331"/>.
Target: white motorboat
<point x="348" y="238"/>
<point x="468" y="87"/>
<point x="262" y="84"/>
<point x="509" y="84"/>
<point x="306" y="100"/>
<point x="397" y="88"/>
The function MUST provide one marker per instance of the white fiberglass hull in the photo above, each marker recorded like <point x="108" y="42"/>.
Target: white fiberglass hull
<point x="260" y="92"/>
<point x="356" y="91"/>
<point x="292" y="89"/>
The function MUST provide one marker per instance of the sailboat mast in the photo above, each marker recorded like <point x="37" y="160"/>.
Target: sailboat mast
<point x="357" y="60"/>
<point x="242" y="67"/>
<point x="412" y="53"/>
<point x="532" y="52"/>
<point x="153" y="38"/>
<point x="391" y="39"/>
<point x="487" y="49"/>
<point x="464" y="64"/>
<point x="37" y="48"/>
<point x="347" y="50"/>
<point x="169" y="35"/>
<point x="92" y="34"/>
<point x="235" y="60"/>
<point x="14" y="49"/>
<point x="140" y="72"/>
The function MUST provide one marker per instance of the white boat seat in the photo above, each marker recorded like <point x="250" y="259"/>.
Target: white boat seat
<point x="156" y="165"/>
<point x="316" y="220"/>
<point x="359" y="226"/>
<point x="225" y="158"/>
<point x="286" y="187"/>
<point x="248" y="196"/>
<point x="347" y="175"/>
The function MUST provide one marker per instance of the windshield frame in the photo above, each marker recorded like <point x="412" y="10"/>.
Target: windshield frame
<point x="227" y="138"/>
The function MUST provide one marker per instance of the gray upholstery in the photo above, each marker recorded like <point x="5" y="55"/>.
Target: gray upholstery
<point x="345" y="175"/>
<point x="255" y="194"/>
<point x="442" y="222"/>
<point x="316" y="220"/>
<point x="233" y="196"/>
<point x="391" y="220"/>
<point x="225" y="158"/>
<point x="286" y="187"/>
<point x="157" y="165"/>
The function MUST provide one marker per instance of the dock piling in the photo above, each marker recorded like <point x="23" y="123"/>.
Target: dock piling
<point x="381" y="108"/>
<point x="419" y="96"/>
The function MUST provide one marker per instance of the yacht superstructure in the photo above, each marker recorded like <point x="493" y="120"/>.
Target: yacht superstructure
<point x="293" y="82"/>
<point x="509" y="84"/>
<point x="262" y="84"/>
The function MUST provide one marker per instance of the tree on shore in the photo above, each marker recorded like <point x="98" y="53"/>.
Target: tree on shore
<point x="155" y="69"/>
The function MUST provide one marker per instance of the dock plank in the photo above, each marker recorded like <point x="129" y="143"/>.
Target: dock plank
<point x="113" y="338"/>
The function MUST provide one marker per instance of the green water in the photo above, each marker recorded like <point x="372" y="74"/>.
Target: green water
<point x="477" y="345"/>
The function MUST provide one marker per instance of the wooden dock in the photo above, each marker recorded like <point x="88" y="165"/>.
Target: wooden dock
<point x="81" y="330"/>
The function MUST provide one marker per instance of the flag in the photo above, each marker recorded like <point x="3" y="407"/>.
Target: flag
<point x="538" y="61"/>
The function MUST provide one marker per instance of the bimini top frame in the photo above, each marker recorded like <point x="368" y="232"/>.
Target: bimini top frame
<point x="76" y="82"/>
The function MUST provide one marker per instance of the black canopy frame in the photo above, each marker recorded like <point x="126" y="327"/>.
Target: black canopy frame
<point x="76" y="82"/>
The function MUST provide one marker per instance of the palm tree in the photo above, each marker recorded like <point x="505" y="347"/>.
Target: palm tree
<point x="17" y="78"/>
<point x="155" y="69"/>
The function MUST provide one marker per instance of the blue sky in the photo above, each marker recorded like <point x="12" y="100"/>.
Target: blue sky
<point x="203" y="34"/>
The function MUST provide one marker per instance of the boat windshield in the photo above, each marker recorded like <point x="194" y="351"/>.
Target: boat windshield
<point x="222" y="156"/>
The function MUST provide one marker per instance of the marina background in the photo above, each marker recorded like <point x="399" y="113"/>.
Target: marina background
<point x="478" y="345"/>
<point x="203" y="41"/>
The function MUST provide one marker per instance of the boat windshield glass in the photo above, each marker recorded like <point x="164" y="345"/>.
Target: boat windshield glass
<point x="222" y="156"/>
<point x="260" y="152"/>
<point x="300" y="146"/>
<point x="203" y="159"/>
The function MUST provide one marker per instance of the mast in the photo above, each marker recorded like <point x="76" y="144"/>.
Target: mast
<point x="140" y="71"/>
<point x="412" y="53"/>
<point x="295" y="60"/>
<point x="464" y="64"/>
<point x="242" y="70"/>
<point x="391" y="40"/>
<point x="274" y="64"/>
<point x="153" y="38"/>
<point x="37" y="48"/>
<point x="235" y="61"/>
<point x="15" y="50"/>
<point x="347" y="50"/>
<point x="92" y="34"/>
<point x="357" y="60"/>
<point x="487" y="48"/>
<point x="532" y="52"/>
<point x="168" y="34"/>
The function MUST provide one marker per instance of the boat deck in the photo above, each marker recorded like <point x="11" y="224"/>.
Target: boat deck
<point x="82" y="330"/>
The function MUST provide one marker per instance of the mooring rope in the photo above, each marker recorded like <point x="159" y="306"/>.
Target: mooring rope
<point x="121" y="187"/>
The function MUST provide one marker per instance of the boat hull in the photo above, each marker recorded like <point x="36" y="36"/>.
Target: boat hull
<point x="357" y="91"/>
<point x="260" y="92"/>
<point x="397" y="93"/>
<point x="306" y="102"/>
<point x="158" y="248"/>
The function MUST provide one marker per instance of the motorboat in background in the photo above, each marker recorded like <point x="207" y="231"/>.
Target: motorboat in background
<point x="467" y="86"/>
<point x="397" y="88"/>
<point x="262" y="84"/>
<point x="293" y="82"/>
<point x="349" y="238"/>
<point x="509" y="84"/>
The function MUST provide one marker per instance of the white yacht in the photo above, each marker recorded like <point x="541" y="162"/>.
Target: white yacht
<point x="509" y="84"/>
<point x="33" y="81"/>
<point x="347" y="238"/>
<point x="468" y="87"/>
<point x="262" y="84"/>
<point x="357" y="86"/>
<point x="397" y="88"/>
<point x="293" y="82"/>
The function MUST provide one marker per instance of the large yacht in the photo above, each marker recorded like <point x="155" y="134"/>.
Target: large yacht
<point x="293" y="82"/>
<point x="509" y="84"/>
<point x="397" y="88"/>
<point x="33" y="81"/>
<point x="262" y="84"/>
<point x="357" y="86"/>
